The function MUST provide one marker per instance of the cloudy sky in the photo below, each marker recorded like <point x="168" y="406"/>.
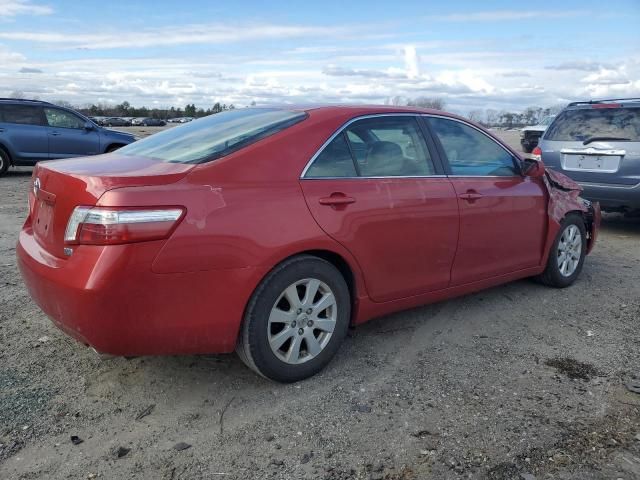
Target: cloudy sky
<point x="473" y="54"/>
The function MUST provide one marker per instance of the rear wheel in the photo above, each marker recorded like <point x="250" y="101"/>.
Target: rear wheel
<point x="296" y="320"/>
<point x="4" y="162"/>
<point x="567" y="253"/>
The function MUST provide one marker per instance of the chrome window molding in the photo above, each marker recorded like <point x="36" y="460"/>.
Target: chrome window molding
<point x="390" y="177"/>
<point x="341" y="129"/>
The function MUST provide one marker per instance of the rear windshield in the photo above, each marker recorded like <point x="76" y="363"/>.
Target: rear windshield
<point x="621" y="124"/>
<point x="214" y="136"/>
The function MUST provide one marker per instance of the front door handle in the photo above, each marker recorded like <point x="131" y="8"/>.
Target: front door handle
<point x="55" y="134"/>
<point x="336" y="199"/>
<point x="470" y="196"/>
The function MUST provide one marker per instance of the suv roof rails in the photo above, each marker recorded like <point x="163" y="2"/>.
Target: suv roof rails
<point x="591" y="102"/>
<point x="25" y="100"/>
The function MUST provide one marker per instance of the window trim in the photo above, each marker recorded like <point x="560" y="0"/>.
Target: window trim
<point x="342" y="129"/>
<point x="445" y="159"/>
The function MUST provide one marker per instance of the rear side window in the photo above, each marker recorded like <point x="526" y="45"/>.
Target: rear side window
<point x="470" y="152"/>
<point x="214" y="136"/>
<point x="21" y="114"/>
<point x="334" y="161"/>
<point x="622" y="124"/>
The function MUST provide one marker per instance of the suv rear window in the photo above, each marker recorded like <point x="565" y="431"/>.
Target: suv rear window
<point x="214" y="136"/>
<point x="584" y="123"/>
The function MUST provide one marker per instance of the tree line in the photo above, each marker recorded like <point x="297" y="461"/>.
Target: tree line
<point x="488" y="117"/>
<point x="125" y="109"/>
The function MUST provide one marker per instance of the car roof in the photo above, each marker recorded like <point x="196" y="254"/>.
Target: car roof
<point x="24" y="100"/>
<point x="618" y="102"/>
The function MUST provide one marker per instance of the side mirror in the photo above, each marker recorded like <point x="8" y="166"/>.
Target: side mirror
<point x="532" y="168"/>
<point x="89" y="126"/>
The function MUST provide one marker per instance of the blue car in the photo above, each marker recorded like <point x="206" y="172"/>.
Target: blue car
<point x="32" y="130"/>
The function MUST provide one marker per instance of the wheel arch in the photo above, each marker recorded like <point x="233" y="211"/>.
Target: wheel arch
<point x="346" y="266"/>
<point x="113" y="146"/>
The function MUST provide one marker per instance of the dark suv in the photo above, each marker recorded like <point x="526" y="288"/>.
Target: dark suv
<point x="32" y="130"/>
<point x="597" y="143"/>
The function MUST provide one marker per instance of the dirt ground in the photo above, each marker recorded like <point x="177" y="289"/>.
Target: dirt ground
<point x="516" y="382"/>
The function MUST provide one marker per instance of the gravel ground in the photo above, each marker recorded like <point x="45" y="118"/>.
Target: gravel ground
<point x="516" y="382"/>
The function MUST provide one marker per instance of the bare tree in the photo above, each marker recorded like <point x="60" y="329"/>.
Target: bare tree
<point x="475" y="116"/>
<point x="16" y="94"/>
<point x="425" y="102"/>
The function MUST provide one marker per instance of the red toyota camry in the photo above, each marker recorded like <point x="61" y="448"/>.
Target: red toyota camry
<point x="272" y="230"/>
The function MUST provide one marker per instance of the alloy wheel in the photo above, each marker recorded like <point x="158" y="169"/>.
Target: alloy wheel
<point x="302" y="321"/>
<point x="569" y="250"/>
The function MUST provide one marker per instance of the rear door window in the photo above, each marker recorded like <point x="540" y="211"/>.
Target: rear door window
<point x="390" y="146"/>
<point x="621" y="124"/>
<point x="471" y="152"/>
<point x="21" y="114"/>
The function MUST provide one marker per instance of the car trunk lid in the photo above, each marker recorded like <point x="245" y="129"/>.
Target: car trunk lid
<point x="59" y="186"/>
<point x="607" y="162"/>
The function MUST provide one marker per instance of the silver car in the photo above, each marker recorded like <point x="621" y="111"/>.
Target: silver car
<point x="597" y="144"/>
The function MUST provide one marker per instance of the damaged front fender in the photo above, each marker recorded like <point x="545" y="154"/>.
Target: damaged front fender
<point x="564" y="198"/>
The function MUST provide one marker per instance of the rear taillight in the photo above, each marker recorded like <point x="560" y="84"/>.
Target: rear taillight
<point x="537" y="153"/>
<point x="112" y="226"/>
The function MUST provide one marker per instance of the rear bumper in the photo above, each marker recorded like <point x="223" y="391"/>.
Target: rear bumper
<point x="612" y="197"/>
<point x="108" y="298"/>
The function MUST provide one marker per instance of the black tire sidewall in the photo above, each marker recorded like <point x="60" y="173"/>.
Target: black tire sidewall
<point x="4" y="162"/>
<point x="553" y="271"/>
<point x="259" y="309"/>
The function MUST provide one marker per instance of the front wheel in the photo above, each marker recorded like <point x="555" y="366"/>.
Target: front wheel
<point x="567" y="253"/>
<point x="296" y="320"/>
<point x="4" y="162"/>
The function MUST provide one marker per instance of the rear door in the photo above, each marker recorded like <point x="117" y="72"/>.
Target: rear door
<point x="375" y="188"/>
<point x="503" y="215"/>
<point x="68" y="136"/>
<point x="597" y="144"/>
<point x="23" y="131"/>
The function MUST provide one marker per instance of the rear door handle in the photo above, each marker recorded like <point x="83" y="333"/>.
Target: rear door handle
<point x="55" y="134"/>
<point x="336" y="199"/>
<point x="470" y="196"/>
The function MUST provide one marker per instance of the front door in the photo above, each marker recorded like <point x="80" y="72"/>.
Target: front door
<point x="68" y="136"/>
<point x="374" y="188"/>
<point x="503" y="215"/>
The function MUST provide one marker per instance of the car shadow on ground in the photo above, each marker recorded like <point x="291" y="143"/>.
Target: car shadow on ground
<point x="620" y="224"/>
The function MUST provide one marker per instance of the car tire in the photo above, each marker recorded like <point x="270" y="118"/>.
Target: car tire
<point x="4" y="162"/>
<point x="565" y="260"/>
<point x="295" y="320"/>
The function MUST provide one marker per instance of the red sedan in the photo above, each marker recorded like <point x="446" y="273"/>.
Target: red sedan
<point x="272" y="230"/>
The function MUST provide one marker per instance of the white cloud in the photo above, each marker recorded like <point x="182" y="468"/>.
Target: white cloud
<point x="185" y="35"/>
<point x="13" y="8"/>
<point x="7" y="56"/>
<point x="411" y="61"/>
<point x="506" y="15"/>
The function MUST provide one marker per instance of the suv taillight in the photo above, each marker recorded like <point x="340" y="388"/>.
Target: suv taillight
<point x="114" y="225"/>
<point x="537" y="153"/>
